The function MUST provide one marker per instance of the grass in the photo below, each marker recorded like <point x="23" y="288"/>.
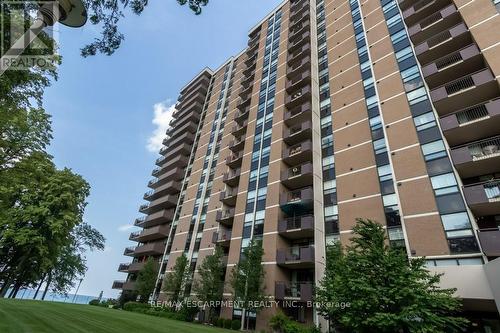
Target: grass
<point x="26" y="316"/>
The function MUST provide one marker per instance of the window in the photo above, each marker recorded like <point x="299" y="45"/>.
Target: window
<point x="404" y="54"/>
<point x="379" y="146"/>
<point x="384" y="172"/>
<point x="433" y="150"/>
<point x="424" y="121"/>
<point x="455" y="221"/>
<point x="417" y="96"/>
<point x="444" y="184"/>
<point x="390" y="200"/>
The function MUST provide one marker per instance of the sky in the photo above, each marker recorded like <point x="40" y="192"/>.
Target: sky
<point x="110" y="113"/>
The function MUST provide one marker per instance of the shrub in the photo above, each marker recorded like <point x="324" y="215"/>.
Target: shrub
<point x="220" y="322"/>
<point x="278" y="321"/>
<point x="136" y="307"/>
<point x="227" y="323"/>
<point x="94" y="302"/>
<point x="235" y="324"/>
<point x="187" y="313"/>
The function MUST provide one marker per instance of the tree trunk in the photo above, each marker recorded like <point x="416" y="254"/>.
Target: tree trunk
<point x="12" y="291"/>
<point x="243" y="314"/>
<point x="39" y="285"/>
<point x="49" y="280"/>
<point x="17" y="287"/>
<point x="5" y="287"/>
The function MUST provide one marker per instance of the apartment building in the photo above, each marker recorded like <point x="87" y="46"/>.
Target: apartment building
<point x="339" y="109"/>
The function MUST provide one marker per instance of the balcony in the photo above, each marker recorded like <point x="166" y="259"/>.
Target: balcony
<point x="298" y="154"/>
<point x="237" y="145"/>
<point x="296" y="33"/>
<point x="298" y="114"/>
<point x="299" y="81"/>
<point x="136" y="266"/>
<point x="165" y="202"/>
<point x="294" y="291"/>
<point x="298" y="176"/>
<point x="232" y="178"/>
<point x="435" y="23"/>
<point x="246" y="91"/>
<point x="298" y="97"/>
<point x="118" y="284"/>
<point x="453" y="66"/>
<point x="172" y="187"/>
<point x="241" y="115"/>
<point x="133" y="236"/>
<point x="299" y="41"/>
<point x="443" y="43"/>
<point x="225" y="217"/>
<point x="297" y="7"/>
<point x="229" y="196"/>
<point x="187" y="138"/>
<point x="239" y="130"/>
<point x="298" y="68"/>
<point x="248" y="78"/>
<point x="222" y="238"/>
<point x="490" y="242"/>
<point x="156" y="232"/>
<point x="181" y="149"/>
<point x="150" y="249"/>
<point x="477" y="158"/>
<point x="469" y="124"/>
<point x="297" y="202"/>
<point x="422" y="9"/>
<point x="161" y="217"/>
<point x="484" y="198"/>
<point x="297" y="227"/>
<point x="179" y="130"/>
<point x="298" y="55"/>
<point x="129" y="251"/>
<point x="299" y="18"/>
<point x="298" y="257"/>
<point x="169" y="173"/>
<point x="297" y="133"/>
<point x="234" y="160"/>
<point x="468" y="90"/>
<point x="123" y="268"/>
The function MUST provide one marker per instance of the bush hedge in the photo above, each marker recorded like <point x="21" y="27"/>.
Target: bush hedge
<point x="235" y="324"/>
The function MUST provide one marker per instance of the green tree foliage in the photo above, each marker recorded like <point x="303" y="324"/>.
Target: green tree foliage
<point x="107" y="14"/>
<point x="40" y="207"/>
<point x="177" y="279"/>
<point x="385" y="291"/>
<point x="209" y="284"/>
<point x="247" y="278"/>
<point x="146" y="279"/>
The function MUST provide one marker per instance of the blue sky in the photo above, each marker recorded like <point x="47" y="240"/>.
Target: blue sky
<point x="108" y="112"/>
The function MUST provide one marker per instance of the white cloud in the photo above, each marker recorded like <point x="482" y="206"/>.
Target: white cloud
<point x="162" y="116"/>
<point x="125" y="227"/>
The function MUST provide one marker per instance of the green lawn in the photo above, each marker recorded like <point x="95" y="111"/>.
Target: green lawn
<point x="23" y="316"/>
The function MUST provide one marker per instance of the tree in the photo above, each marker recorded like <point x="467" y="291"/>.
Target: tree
<point x="177" y="279"/>
<point x="209" y="284"/>
<point x="247" y="279"/>
<point x="385" y="291"/>
<point x="40" y="207"/>
<point x="146" y="279"/>
<point x="71" y="263"/>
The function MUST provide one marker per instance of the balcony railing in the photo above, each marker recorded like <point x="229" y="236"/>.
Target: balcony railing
<point x="129" y="250"/>
<point x="118" y="284"/>
<point x="295" y="255"/>
<point x="490" y="241"/>
<point x="485" y="148"/>
<point x="225" y="216"/>
<point x="123" y="267"/>
<point x="221" y="237"/>
<point x="302" y="291"/>
<point x="484" y="198"/>
<point x="134" y="235"/>
<point x="474" y="113"/>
